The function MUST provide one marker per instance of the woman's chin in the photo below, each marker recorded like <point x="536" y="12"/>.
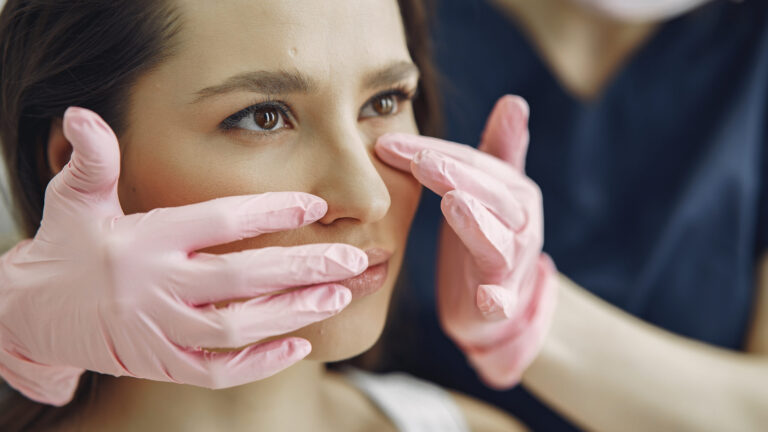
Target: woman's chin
<point x="352" y="332"/>
<point x="347" y="334"/>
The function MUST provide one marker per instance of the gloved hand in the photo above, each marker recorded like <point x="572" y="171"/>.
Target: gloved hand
<point x="127" y="295"/>
<point x="495" y="287"/>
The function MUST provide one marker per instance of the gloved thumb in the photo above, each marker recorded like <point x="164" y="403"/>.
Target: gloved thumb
<point x="94" y="166"/>
<point x="506" y="131"/>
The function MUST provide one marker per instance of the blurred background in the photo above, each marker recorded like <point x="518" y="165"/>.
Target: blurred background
<point x="8" y="233"/>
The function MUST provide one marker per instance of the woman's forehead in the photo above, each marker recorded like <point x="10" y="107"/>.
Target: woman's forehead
<point x="327" y="40"/>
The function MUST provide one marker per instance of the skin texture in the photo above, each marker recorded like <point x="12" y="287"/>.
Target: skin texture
<point x="174" y="153"/>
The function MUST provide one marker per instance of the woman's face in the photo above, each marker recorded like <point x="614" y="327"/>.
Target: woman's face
<point x="326" y="79"/>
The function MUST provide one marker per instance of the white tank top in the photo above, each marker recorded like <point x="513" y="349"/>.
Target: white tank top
<point x="412" y="404"/>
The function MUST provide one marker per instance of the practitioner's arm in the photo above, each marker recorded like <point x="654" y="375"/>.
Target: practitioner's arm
<point x="600" y="366"/>
<point x="607" y="370"/>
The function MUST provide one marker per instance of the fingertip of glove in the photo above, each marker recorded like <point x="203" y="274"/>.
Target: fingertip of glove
<point x="350" y="257"/>
<point x="454" y="197"/>
<point x="316" y="209"/>
<point x="77" y="120"/>
<point x="495" y="302"/>
<point x="74" y="113"/>
<point x="391" y="138"/>
<point x="297" y="347"/>
<point x="388" y="146"/>
<point x="425" y="154"/>
<point x="343" y="296"/>
<point x="517" y="101"/>
<point x="335" y="298"/>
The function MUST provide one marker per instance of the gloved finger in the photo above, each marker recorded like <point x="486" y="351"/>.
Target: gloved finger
<point x="241" y="323"/>
<point x="398" y="149"/>
<point x="442" y="174"/>
<point x="94" y="166"/>
<point x="210" y="278"/>
<point x="496" y="302"/>
<point x="501" y="365"/>
<point x="217" y="370"/>
<point x="489" y="242"/>
<point x="223" y="220"/>
<point x="506" y="133"/>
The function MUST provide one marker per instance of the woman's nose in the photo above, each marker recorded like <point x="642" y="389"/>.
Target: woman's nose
<point x="350" y="182"/>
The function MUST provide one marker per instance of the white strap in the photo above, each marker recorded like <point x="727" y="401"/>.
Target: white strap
<point x="412" y="404"/>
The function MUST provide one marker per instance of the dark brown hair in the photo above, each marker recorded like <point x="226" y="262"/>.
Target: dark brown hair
<point x="89" y="53"/>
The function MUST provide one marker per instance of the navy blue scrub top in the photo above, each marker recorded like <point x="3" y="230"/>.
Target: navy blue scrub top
<point x="654" y="193"/>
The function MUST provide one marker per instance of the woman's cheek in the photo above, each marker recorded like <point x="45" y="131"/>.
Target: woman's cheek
<point x="190" y="170"/>
<point x="404" y="191"/>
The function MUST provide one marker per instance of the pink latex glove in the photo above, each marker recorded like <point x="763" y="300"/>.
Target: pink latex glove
<point x="495" y="289"/>
<point x="127" y="295"/>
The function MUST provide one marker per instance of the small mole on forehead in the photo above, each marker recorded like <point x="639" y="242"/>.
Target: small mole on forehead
<point x="293" y="51"/>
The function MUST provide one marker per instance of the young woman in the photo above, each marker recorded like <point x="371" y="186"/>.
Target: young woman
<point x="215" y="99"/>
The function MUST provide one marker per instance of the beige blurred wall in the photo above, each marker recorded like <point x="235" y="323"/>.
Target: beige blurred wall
<point x="8" y="233"/>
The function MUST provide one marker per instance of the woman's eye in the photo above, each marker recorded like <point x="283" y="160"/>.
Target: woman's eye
<point x="383" y="105"/>
<point x="257" y="118"/>
<point x="264" y="119"/>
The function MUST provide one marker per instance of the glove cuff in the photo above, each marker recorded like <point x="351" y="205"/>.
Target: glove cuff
<point x="51" y="385"/>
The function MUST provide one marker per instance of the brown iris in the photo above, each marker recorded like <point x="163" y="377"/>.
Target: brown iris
<point x="384" y="105"/>
<point x="266" y="118"/>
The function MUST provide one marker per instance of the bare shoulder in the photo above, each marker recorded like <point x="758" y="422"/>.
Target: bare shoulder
<point x="483" y="417"/>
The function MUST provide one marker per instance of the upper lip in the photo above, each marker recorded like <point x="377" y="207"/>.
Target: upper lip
<point x="377" y="256"/>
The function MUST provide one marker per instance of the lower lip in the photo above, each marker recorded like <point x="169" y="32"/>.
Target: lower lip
<point x="367" y="282"/>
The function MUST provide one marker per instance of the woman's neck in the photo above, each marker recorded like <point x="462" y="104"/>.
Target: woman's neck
<point x="294" y="399"/>
<point x="583" y="48"/>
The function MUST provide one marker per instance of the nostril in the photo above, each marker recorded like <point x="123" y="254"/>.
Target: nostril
<point x="370" y="209"/>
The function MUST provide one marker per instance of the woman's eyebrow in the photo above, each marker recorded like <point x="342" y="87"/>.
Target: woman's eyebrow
<point x="391" y="74"/>
<point x="284" y="82"/>
<point x="267" y="82"/>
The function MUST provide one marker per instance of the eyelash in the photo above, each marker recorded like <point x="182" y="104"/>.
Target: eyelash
<point x="402" y="93"/>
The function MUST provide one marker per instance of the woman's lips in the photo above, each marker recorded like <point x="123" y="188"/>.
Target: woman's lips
<point x="372" y="279"/>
